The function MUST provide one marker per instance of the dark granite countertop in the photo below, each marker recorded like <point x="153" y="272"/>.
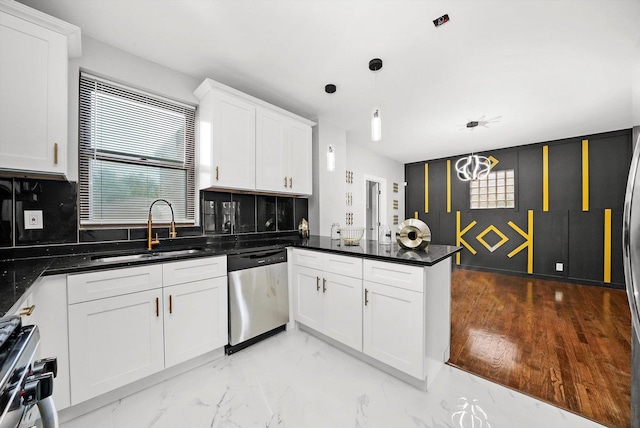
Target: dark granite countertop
<point x="433" y="254"/>
<point x="19" y="273"/>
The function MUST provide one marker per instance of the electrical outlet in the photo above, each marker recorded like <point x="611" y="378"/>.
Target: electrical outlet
<point x="559" y="267"/>
<point x="33" y="219"/>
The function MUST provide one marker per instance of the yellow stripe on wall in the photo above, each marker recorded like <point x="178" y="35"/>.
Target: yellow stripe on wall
<point x="415" y="214"/>
<point x="426" y="188"/>
<point x="528" y="243"/>
<point x="545" y="178"/>
<point x="585" y="175"/>
<point x="607" y="245"/>
<point x="530" y="253"/>
<point x="448" y="185"/>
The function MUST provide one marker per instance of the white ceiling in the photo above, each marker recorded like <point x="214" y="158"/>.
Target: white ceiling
<point x="541" y="70"/>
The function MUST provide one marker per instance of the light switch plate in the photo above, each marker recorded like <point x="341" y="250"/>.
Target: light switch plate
<point x="33" y="219"/>
<point x="559" y="267"/>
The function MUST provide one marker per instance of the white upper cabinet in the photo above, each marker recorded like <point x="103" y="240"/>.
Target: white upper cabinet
<point x="227" y="141"/>
<point x="34" y="52"/>
<point x="248" y="144"/>
<point x="300" y="161"/>
<point x="283" y="154"/>
<point x="271" y="151"/>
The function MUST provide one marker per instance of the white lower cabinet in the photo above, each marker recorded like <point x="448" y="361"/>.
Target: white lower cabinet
<point x="114" y="341"/>
<point x="327" y="302"/>
<point x="395" y="313"/>
<point x="127" y="334"/>
<point x="343" y="309"/>
<point x="195" y="319"/>
<point x="308" y="297"/>
<point x="46" y="307"/>
<point x="393" y="327"/>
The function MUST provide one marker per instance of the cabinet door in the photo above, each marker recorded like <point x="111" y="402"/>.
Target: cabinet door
<point x="195" y="319"/>
<point x="343" y="309"/>
<point x="307" y="285"/>
<point x="300" y="162"/>
<point x="234" y="142"/>
<point x="114" y="341"/>
<point x="33" y="97"/>
<point x="50" y="315"/>
<point x="394" y="327"/>
<point x="271" y="130"/>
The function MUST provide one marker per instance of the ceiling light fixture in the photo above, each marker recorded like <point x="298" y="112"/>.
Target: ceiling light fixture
<point x="472" y="167"/>
<point x="331" y="154"/>
<point x="376" y="121"/>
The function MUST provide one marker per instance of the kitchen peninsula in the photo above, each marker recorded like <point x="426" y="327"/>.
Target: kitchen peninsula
<point x="383" y="304"/>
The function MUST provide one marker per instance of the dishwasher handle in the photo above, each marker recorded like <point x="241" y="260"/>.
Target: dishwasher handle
<point x="255" y="259"/>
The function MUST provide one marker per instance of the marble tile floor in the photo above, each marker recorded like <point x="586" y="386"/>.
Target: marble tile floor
<point x="295" y="380"/>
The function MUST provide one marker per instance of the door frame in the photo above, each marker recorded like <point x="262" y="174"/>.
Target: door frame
<point x="382" y="204"/>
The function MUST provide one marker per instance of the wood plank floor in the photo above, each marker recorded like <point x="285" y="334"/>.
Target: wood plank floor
<point x="566" y="344"/>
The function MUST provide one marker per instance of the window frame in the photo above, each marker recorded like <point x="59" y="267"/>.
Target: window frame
<point x="87" y="152"/>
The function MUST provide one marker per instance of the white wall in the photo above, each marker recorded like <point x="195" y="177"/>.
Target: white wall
<point x="363" y="162"/>
<point x="328" y="204"/>
<point x="119" y="66"/>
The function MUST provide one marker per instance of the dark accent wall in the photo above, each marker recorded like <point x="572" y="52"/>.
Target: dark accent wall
<point x="565" y="233"/>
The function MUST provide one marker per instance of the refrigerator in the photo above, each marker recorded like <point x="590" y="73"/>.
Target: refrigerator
<point x="631" y="254"/>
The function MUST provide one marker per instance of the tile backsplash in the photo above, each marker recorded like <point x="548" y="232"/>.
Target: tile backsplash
<point x="53" y="203"/>
<point x="226" y="213"/>
<point x="56" y="202"/>
<point x="6" y="212"/>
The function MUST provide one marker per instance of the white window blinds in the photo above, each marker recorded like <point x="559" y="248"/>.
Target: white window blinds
<point x="134" y="147"/>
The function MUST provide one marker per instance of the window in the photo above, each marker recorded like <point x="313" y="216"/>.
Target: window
<point x="496" y="190"/>
<point x="134" y="147"/>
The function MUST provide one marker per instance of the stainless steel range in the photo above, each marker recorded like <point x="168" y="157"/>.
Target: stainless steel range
<point x="25" y="385"/>
<point x="258" y="296"/>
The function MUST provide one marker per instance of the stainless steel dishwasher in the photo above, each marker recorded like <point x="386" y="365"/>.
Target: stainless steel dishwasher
<point x="258" y="296"/>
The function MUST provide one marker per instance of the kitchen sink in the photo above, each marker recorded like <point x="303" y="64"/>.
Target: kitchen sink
<point x="144" y="256"/>
<point x="122" y="258"/>
<point x="176" y="253"/>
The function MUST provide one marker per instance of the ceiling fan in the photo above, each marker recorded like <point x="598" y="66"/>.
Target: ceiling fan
<point x="480" y="122"/>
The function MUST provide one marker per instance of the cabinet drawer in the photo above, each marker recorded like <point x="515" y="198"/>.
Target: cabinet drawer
<point x="84" y="287"/>
<point x="396" y="275"/>
<point x="306" y="258"/>
<point x="194" y="270"/>
<point x="342" y="265"/>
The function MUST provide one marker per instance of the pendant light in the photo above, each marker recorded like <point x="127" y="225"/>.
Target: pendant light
<point x="331" y="154"/>
<point x="376" y="126"/>
<point x="472" y="167"/>
<point x="376" y="120"/>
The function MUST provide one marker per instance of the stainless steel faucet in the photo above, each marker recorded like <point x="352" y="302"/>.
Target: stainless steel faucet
<point x="172" y="234"/>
